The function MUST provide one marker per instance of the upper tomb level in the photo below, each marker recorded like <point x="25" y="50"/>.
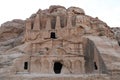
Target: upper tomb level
<point x="64" y="23"/>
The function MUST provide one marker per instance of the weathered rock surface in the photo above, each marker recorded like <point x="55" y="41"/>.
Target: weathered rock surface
<point x="11" y="34"/>
<point x="116" y="31"/>
<point x="100" y="42"/>
<point x="76" y="10"/>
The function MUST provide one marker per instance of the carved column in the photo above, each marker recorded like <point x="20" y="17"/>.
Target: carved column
<point x="28" y="28"/>
<point x="69" y="22"/>
<point x="48" y="27"/>
<point x="36" y="23"/>
<point x="28" y="24"/>
<point x="48" y="24"/>
<point x="58" y="26"/>
<point x="83" y="65"/>
<point x="33" y="48"/>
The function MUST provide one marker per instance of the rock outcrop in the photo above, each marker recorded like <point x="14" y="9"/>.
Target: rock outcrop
<point x="116" y="31"/>
<point x="11" y="34"/>
<point x="85" y="47"/>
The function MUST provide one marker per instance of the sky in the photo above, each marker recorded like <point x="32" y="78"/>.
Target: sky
<point x="106" y="10"/>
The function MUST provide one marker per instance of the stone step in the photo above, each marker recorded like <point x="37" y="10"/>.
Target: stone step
<point x="59" y="77"/>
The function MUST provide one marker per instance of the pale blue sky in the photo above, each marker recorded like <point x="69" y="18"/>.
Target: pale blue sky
<point x="106" y="10"/>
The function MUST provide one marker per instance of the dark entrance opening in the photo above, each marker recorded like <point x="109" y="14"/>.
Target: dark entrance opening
<point x="57" y="67"/>
<point x="25" y="65"/>
<point x="53" y="35"/>
<point x="119" y="43"/>
<point x="32" y="26"/>
<point x="95" y="66"/>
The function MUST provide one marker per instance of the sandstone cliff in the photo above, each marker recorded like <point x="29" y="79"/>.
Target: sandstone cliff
<point x="11" y="34"/>
<point x="12" y="44"/>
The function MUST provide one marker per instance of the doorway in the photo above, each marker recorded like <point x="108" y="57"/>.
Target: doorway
<point x="95" y="66"/>
<point x="52" y="35"/>
<point x="57" y="67"/>
<point x="25" y="65"/>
